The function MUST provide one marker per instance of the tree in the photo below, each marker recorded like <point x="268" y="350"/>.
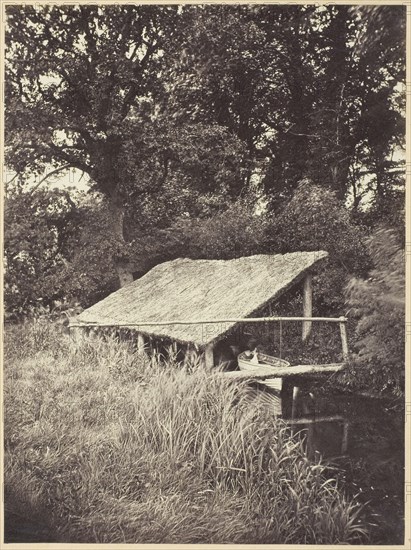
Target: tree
<point x="304" y="87"/>
<point x="88" y="87"/>
<point x="77" y="78"/>
<point x="196" y="106"/>
<point x="191" y="170"/>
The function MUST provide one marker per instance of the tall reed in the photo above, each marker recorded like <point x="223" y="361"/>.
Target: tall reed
<point x="112" y="447"/>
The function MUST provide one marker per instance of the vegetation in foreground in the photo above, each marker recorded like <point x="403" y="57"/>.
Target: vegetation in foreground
<point x="111" y="448"/>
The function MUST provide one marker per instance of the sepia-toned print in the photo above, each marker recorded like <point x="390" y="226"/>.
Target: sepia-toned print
<point x="204" y="274"/>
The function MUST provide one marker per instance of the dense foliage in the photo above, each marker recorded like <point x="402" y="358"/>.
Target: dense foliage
<point x="312" y="91"/>
<point x="379" y="304"/>
<point x="59" y="248"/>
<point x="314" y="219"/>
<point x="40" y="235"/>
<point x="171" y="111"/>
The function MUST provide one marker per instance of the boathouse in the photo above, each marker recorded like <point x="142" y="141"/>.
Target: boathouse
<point x="198" y="302"/>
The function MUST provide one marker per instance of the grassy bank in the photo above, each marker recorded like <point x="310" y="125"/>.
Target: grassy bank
<point x="103" y="446"/>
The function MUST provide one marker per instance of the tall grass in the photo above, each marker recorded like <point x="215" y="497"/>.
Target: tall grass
<point x="111" y="447"/>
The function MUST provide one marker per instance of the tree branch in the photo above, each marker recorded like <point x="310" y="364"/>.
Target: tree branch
<point x="76" y="163"/>
<point x="59" y="169"/>
<point x="13" y="178"/>
<point x="133" y="90"/>
<point x="64" y="75"/>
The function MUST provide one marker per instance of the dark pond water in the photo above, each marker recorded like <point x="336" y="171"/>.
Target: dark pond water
<point x="361" y="436"/>
<point x="364" y="438"/>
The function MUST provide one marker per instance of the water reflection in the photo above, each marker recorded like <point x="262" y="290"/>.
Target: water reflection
<point x="362" y="436"/>
<point x="325" y="434"/>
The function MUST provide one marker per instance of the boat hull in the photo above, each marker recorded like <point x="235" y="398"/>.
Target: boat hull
<point x="245" y="363"/>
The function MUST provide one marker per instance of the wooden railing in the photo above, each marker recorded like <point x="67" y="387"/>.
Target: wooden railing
<point x="211" y="321"/>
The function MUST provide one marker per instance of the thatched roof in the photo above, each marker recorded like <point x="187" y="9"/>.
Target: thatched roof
<point x="195" y="290"/>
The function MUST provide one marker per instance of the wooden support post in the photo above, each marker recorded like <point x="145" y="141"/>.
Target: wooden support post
<point x="189" y="356"/>
<point x="76" y="335"/>
<point x="307" y="325"/>
<point x="140" y="343"/>
<point x="307" y="305"/>
<point x="344" y="340"/>
<point x="286" y="398"/>
<point x="209" y="356"/>
<point x="296" y="392"/>
<point x="310" y="441"/>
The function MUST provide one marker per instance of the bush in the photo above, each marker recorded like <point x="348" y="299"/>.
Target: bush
<point x="231" y="233"/>
<point x="58" y="247"/>
<point x="378" y="304"/>
<point x="315" y="219"/>
<point x="111" y="456"/>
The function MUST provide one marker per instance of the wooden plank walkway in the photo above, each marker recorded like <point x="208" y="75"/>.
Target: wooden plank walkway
<point x="283" y="372"/>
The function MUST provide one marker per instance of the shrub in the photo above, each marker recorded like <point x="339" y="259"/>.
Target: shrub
<point x="315" y="219"/>
<point x="230" y="233"/>
<point x="378" y="304"/>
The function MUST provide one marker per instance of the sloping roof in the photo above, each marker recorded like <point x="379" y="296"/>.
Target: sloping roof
<point x="195" y="290"/>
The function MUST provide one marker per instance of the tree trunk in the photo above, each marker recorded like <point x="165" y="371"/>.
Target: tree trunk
<point x="122" y="263"/>
<point x="125" y="275"/>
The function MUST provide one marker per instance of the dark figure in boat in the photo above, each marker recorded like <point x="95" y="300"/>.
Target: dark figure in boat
<point x="226" y="351"/>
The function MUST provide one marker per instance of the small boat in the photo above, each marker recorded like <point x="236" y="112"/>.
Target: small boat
<point x="253" y="360"/>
